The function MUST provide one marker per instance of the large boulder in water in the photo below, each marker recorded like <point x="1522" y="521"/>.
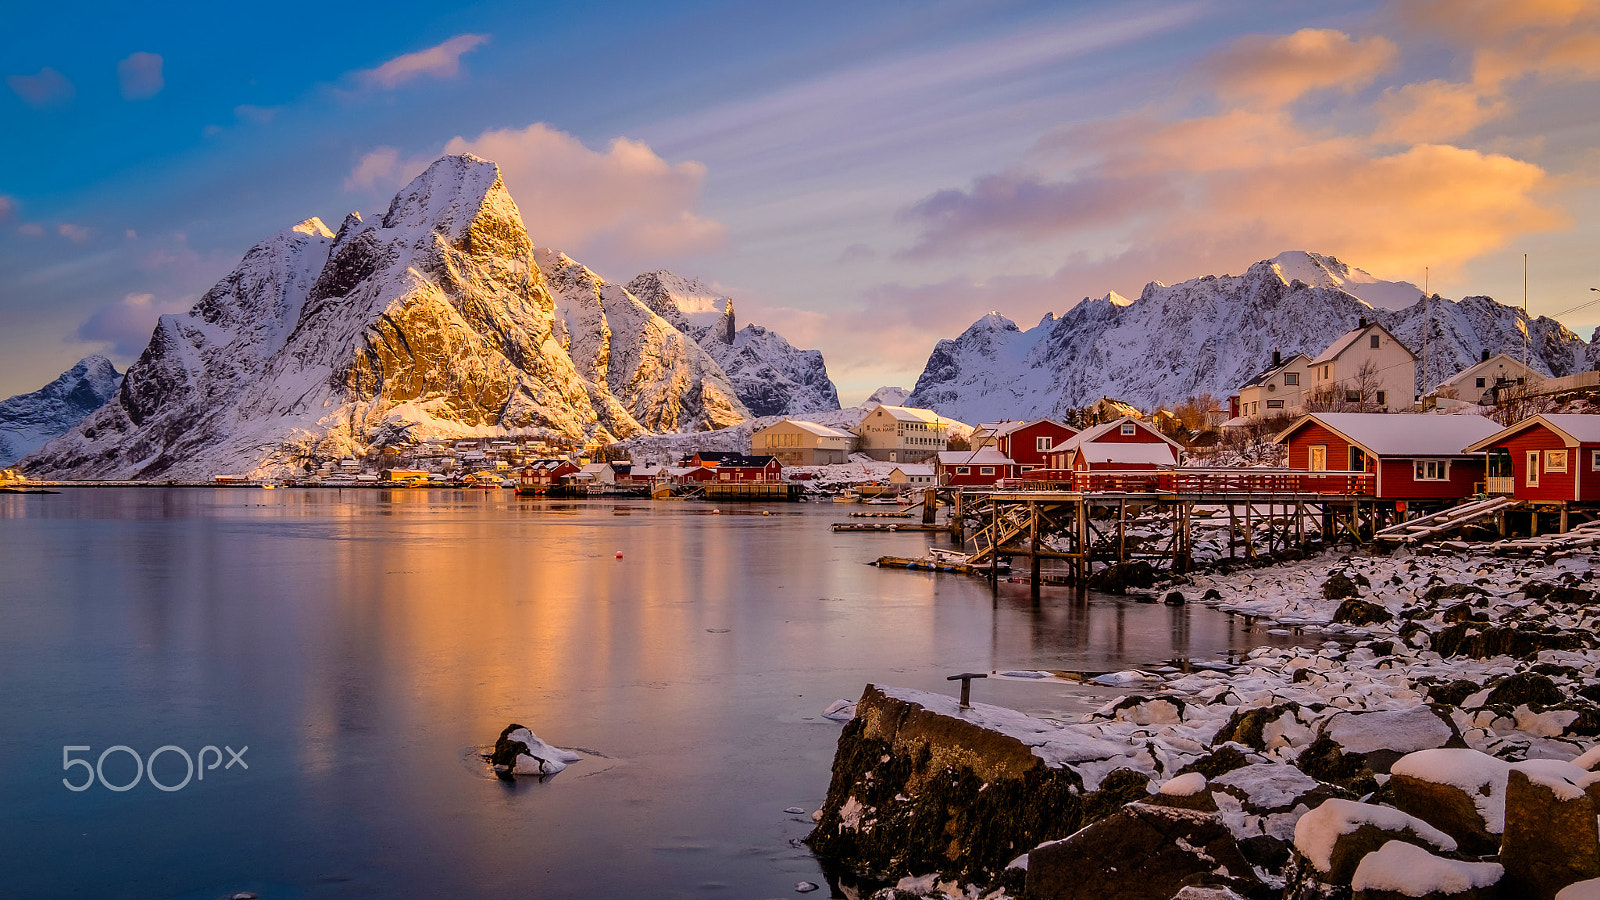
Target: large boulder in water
<point x="1144" y="852"/>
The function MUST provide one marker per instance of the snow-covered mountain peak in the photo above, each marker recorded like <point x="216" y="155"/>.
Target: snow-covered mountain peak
<point x="451" y="195"/>
<point x="27" y="421"/>
<point x="681" y="300"/>
<point x="888" y="396"/>
<point x="1319" y="270"/>
<point x="312" y="227"/>
<point x="1116" y="299"/>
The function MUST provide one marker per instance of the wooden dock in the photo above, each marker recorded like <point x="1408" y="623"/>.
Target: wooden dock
<point x="754" y="491"/>
<point x="885" y="526"/>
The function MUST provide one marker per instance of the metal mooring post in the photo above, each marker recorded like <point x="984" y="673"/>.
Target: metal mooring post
<point x="966" y="686"/>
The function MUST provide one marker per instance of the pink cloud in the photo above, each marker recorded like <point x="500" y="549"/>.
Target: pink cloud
<point x="74" y="233"/>
<point x="7" y="206"/>
<point x="125" y="325"/>
<point x="379" y="168"/>
<point x="625" y="204"/>
<point x="48" y="88"/>
<point x="439" y="61"/>
<point x="140" y="75"/>
<point x="30" y="229"/>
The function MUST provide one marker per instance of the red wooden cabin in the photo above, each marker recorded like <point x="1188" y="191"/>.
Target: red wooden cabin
<point x="1546" y="457"/>
<point x="1413" y="457"/>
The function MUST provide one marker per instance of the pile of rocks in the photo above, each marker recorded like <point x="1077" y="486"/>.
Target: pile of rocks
<point x="1447" y="749"/>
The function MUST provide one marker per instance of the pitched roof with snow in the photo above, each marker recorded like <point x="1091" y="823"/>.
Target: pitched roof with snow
<point x="1270" y="371"/>
<point x="1350" y="337"/>
<point x="1573" y="427"/>
<point x="913" y="471"/>
<point x="988" y="456"/>
<point x="814" y="428"/>
<point x="1154" y="454"/>
<point x="911" y="414"/>
<point x="1402" y="434"/>
<point x="1094" y="433"/>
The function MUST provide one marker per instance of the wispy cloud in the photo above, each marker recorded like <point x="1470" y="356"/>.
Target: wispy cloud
<point x="7" y="205"/>
<point x="439" y="61"/>
<point x="380" y="168"/>
<point x="256" y="115"/>
<point x="1272" y="71"/>
<point x="48" y="88"/>
<point x="140" y="76"/>
<point x="77" y="234"/>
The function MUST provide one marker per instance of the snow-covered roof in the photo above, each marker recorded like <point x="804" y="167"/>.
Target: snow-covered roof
<point x="911" y="414"/>
<point x="987" y="456"/>
<point x="1574" y="428"/>
<point x="1104" y="452"/>
<point x="1350" y="337"/>
<point x="1270" y="371"/>
<point x="814" y="428"/>
<point x="1402" y="434"/>
<point x="1095" y="432"/>
<point x="594" y="468"/>
<point x="1495" y="361"/>
<point x="913" y="471"/>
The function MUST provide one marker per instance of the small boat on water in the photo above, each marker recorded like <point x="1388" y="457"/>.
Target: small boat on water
<point x="938" y="560"/>
<point x="847" y="497"/>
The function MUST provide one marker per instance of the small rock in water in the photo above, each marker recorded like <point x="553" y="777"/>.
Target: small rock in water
<point x="804" y="887"/>
<point x="243" y="895"/>
<point x="795" y="810"/>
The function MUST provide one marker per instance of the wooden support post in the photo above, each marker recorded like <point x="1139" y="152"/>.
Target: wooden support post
<point x="1233" y="532"/>
<point x="930" y="505"/>
<point x="1249" y="530"/>
<point x="1563" y="517"/>
<point x="958" y="517"/>
<point x="1122" y="530"/>
<point x="1034" y="537"/>
<point x="994" y="539"/>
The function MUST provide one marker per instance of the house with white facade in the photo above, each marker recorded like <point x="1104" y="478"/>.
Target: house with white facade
<point x="1477" y="384"/>
<point x="905" y="434"/>
<point x="1366" y="370"/>
<point x="1279" y="390"/>
<point x="796" y="442"/>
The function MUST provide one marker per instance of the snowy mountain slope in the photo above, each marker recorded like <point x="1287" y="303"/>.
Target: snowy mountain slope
<point x="771" y="377"/>
<point x="28" y="421"/>
<point x="659" y="375"/>
<point x="1326" y="271"/>
<point x="1209" y="334"/>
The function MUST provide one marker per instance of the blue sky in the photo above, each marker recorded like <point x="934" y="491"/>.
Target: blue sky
<point x="866" y="178"/>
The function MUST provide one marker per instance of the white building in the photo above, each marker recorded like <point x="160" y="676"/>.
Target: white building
<point x="905" y="434"/>
<point x="799" y="443"/>
<point x="1279" y="390"/>
<point x="1367" y="370"/>
<point x="1476" y="384"/>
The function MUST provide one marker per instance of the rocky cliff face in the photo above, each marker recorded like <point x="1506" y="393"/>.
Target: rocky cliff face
<point x="436" y="320"/>
<point x="1212" y="334"/>
<point x="770" y="376"/>
<point x="27" y="421"/>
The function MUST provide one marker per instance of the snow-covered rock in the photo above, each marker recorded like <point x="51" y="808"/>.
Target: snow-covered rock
<point x="28" y="421"/>
<point x="1212" y="334"/>
<point x="888" y="396"/>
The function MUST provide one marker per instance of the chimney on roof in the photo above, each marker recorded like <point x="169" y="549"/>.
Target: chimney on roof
<point x="1485" y="357"/>
<point x="1277" y="359"/>
<point x="1363" y="322"/>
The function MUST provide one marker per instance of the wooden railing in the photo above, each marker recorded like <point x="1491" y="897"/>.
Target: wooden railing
<point x="1198" y="481"/>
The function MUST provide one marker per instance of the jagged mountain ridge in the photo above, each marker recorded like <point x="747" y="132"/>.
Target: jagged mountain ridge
<point x="772" y="377"/>
<point x="436" y="320"/>
<point x="1210" y="335"/>
<point x="28" y="421"/>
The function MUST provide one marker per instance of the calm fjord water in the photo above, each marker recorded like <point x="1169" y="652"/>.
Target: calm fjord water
<point x="363" y="644"/>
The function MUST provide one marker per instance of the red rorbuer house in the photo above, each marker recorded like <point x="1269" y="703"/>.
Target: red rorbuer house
<point x="1412" y="457"/>
<point x="1027" y="444"/>
<point x="1546" y="457"/>
<point x="1122" y="445"/>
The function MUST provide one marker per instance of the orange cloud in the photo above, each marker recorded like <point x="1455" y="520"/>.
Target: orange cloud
<point x="1272" y="71"/>
<point x="440" y="61"/>
<point x="1435" y="111"/>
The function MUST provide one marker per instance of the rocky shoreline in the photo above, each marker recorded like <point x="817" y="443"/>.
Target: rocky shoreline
<point x="1445" y="754"/>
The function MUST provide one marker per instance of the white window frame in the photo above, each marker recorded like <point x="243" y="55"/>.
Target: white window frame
<point x="1531" y="477"/>
<point x="986" y="470"/>
<point x="1128" y="428"/>
<point x="1594" y="461"/>
<point x="1043" y="444"/>
<point x="1555" y="461"/>
<point x="963" y="470"/>
<point x="1317" y="458"/>
<point x="1430" y="470"/>
<point x="1274" y="404"/>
